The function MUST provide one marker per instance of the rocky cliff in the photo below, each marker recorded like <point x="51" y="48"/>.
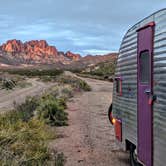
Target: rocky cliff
<point x="36" y="51"/>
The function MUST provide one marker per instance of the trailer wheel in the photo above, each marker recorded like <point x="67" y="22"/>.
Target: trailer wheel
<point x="110" y="114"/>
<point x="133" y="157"/>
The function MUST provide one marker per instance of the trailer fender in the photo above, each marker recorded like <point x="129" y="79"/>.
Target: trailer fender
<point x="110" y="116"/>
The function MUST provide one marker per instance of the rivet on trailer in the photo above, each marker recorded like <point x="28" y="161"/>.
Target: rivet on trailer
<point x="138" y="109"/>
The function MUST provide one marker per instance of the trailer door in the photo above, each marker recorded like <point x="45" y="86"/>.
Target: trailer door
<point x="145" y="91"/>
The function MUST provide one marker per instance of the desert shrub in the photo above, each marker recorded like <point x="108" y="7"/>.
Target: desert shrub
<point x="7" y="84"/>
<point x="88" y="75"/>
<point x="67" y="92"/>
<point x="47" y="108"/>
<point x="83" y="85"/>
<point x="35" y="72"/>
<point x="75" y="82"/>
<point x="47" y="78"/>
<point x="51" y="111"/>
<point x="25" y="111"/>
<point x="55" y="91"/>
<point x="23" y="143"/>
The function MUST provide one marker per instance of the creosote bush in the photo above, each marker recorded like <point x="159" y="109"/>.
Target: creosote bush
<point x="51" y="111"/>
<point x="25" y="111"/>
<point x="8" y="84"/>
<point x="23" y="143"/>
<point x="75" y="82"/>
<point x="46" y="108"/>
<point x="33" y="72"/>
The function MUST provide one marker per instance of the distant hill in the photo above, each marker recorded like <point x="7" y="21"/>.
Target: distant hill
<point x="90" y="61"/>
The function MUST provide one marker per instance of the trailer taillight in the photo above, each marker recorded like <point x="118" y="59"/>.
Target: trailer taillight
<point x="118" y="129"/>
<point x="113" y="120"/>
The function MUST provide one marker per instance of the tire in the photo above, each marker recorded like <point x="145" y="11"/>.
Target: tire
<point x="133" y="157"/>
<point x="109" y="113"/>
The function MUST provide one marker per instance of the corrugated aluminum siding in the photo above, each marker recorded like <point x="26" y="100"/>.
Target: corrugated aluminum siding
<point x="125" y="106"/>
<point x="160" y="89"/>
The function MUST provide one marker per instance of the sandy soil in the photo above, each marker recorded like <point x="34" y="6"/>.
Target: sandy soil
<point x="89" y="139"/>
<point x="18" y="95"/>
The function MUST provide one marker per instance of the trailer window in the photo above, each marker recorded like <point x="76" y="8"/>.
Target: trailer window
<point x="144" y="67"/>
<point x="118" y="85"/>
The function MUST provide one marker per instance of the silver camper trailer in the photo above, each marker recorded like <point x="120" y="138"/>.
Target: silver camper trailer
<point x="138" y="109"/>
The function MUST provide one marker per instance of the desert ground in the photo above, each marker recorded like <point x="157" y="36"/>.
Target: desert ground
<point x="8" y="98"/>
<point x="89" y="139"/>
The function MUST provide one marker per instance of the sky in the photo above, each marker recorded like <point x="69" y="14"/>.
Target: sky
<point x="81" y="26"/>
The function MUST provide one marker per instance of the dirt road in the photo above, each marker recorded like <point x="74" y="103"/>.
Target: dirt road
<point x="89" y="138"/>
<point x="7" y="98"/>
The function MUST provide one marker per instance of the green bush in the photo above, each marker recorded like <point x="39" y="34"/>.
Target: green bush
<point x="47" y="78"/>
<point x="51" y="111"/>
<point x="67" y="92"/>
<point x="8" y="84"/>
<point x="34" y="72"/>
<point x="47" y="108"/>
<point x="75" y="82"/>
<point x="26" y="110"/>
<point x="23" y="143"/>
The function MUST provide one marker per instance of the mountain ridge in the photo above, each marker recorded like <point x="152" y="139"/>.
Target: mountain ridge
<point x="39" y="52"/>
<point x="36" y="51"/>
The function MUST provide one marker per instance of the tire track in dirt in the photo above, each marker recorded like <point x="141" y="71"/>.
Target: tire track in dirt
<point x="89" y="139"/>
<point x="18" y="95"/>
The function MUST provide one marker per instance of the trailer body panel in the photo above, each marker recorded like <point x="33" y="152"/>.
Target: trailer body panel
<point x="125" y="106"/>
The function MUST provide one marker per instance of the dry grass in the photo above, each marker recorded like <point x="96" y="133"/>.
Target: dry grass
<point x="21" y="142"/>
<point x="26" y="131"/>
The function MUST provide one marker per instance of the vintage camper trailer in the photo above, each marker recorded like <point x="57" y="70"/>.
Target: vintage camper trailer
<point x="138" y="109"/>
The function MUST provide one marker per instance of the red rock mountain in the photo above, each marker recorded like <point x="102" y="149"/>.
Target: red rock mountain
<point x="15" y="52"/>
<point x="37" y="51"/>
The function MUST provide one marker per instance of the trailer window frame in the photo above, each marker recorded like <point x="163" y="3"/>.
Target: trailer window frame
<point x="118" y="82"/>
<point x="144" y="67"/>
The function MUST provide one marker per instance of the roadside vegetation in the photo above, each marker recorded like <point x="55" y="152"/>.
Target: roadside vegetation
<point x="75" y="82"/>
<point x="27" y="130"/>
<point x="10" y="82"/>
<point x="12" y="78"/>
<point x="33" y="72"/>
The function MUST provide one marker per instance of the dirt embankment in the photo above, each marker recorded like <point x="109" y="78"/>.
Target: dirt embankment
<point x="89" y="139"/>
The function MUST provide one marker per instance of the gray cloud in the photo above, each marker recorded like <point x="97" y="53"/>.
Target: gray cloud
<point x="88" y="26"/>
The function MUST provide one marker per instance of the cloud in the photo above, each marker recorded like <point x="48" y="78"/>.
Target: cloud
<point x="87" y="26"/>
<point x="96" y="52"/>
